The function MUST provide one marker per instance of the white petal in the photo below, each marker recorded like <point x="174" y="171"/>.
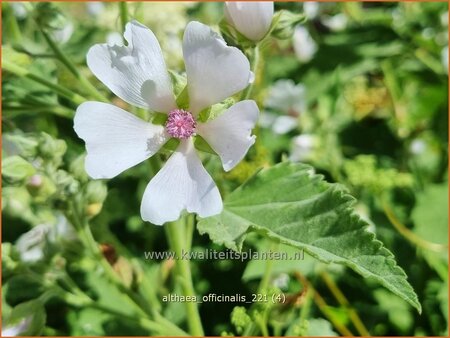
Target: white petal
<point x="115" y="139"/>
<point x="214" y="70"/>
<point x="252" y="19"/>
<point x="304" y="45"/>
<point x="183" y="183"/>
<point x="137" y="72"/>
<point x="230" y="133"/>
<point x="284" y="124"/>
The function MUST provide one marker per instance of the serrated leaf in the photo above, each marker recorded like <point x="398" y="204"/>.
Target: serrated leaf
<point x="291" y="204"/>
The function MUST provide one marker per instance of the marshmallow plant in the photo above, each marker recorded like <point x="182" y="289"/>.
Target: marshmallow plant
<point x="179" y="120"/>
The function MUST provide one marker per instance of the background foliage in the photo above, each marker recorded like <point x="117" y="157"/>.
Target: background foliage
<point x="369" y="112"/>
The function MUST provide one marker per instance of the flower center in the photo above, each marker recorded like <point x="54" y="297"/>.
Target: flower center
<point x="180" y="124"/>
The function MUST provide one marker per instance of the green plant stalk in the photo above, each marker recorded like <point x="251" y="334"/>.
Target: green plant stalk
<point x="13" y="25"/>
<point x="323" y="307"/>
<point x="89" y="87"/>
<point x="264" y="284"/>
<point x="408" y="234"/>
<point x="176" y="234"/>
<point x="56" y="110"/>
<point x="22" y="72"/>
<point x="255" y="65"/>
<point x="123" y="8"/>
<point x="89" y="241"/>
<point x="306" y="306"/>
<point x="80" y="299"/>
<point x="340" y="297"/>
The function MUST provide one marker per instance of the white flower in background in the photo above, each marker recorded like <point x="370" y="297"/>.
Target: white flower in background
<point x="19" y="10"/>
<point x="444" y="57"/>
<point x="63" y="34"/>
<point x="17" y="329"/>
<point x="311" y="9"/>
<point x="444" y="19"/>
<point x="336" y="23"/>
<point x="117" y="140"/>
<point x="31" y="244"/>
<point x="251" y="19"/>
<point x="417" y="146"/>
<point x="304" y="45"/>
<point x="114" y="38"/>
<point x="287" y="98"/>
<point x="169" y="25"/>
<point x="281" y="281"/>
<point x="302" y="147"/>
<point x="95" y="8"/>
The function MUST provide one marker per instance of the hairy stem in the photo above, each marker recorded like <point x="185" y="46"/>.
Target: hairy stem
<point x="340" y="297"/>
<point x="123" y="8"/>
<point x="255" y="60"/>
<point x="176" y="234"/>
<point x="408" y="234"/>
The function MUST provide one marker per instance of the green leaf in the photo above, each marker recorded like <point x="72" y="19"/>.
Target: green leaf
<point x="291" y="204"/>
<point x="15" y="168"/>
<point x="430" y="214"/>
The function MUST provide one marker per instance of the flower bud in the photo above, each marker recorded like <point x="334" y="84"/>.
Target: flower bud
<point x="251" y="19"/>
<point x="93" y="209"/>
<point x="31" y="245"/>
<point x="96" y="192"/>
<point x="286" y="22"/>
<point x="51" y="148"/>
<point x="78" y="170"/>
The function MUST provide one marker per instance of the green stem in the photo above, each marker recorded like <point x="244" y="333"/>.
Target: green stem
<point x="306" y="306"/>
<point x="13" y="25"/>
<point x="255" y="65"/>
<point x="264" y="284"/>
<point x="408" y="234"/>
<point x="22" y="72"/>
<point x="56" y="110"/>
<point x="176" y="234"/>
<point x="340" y="297"/>
<point x="323" y="307"/>
<point x="72" y="68"/>
<point x="123" y="8"/>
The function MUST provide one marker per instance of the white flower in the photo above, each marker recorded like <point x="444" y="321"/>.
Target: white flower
<point x="444" y="57"/>
<point x="287" y="98"/>
<point x="63" y="34"/>
<point x="31" y="245"/>
<point x="311" y="9"/>
<point x="17" y="329"/>
<point x="302" y="147"/>
<point x="336" y="22"/>
<point x="304" y="45"/>
<point x="418" y="147"/>
<point x="95" y="8"/>
<point x="117" y="140"/>
<point x="281" y="281"/>
<point x="19" y="10"/>
<point x="251" y="19"/>
<point x="114" y="38"/>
